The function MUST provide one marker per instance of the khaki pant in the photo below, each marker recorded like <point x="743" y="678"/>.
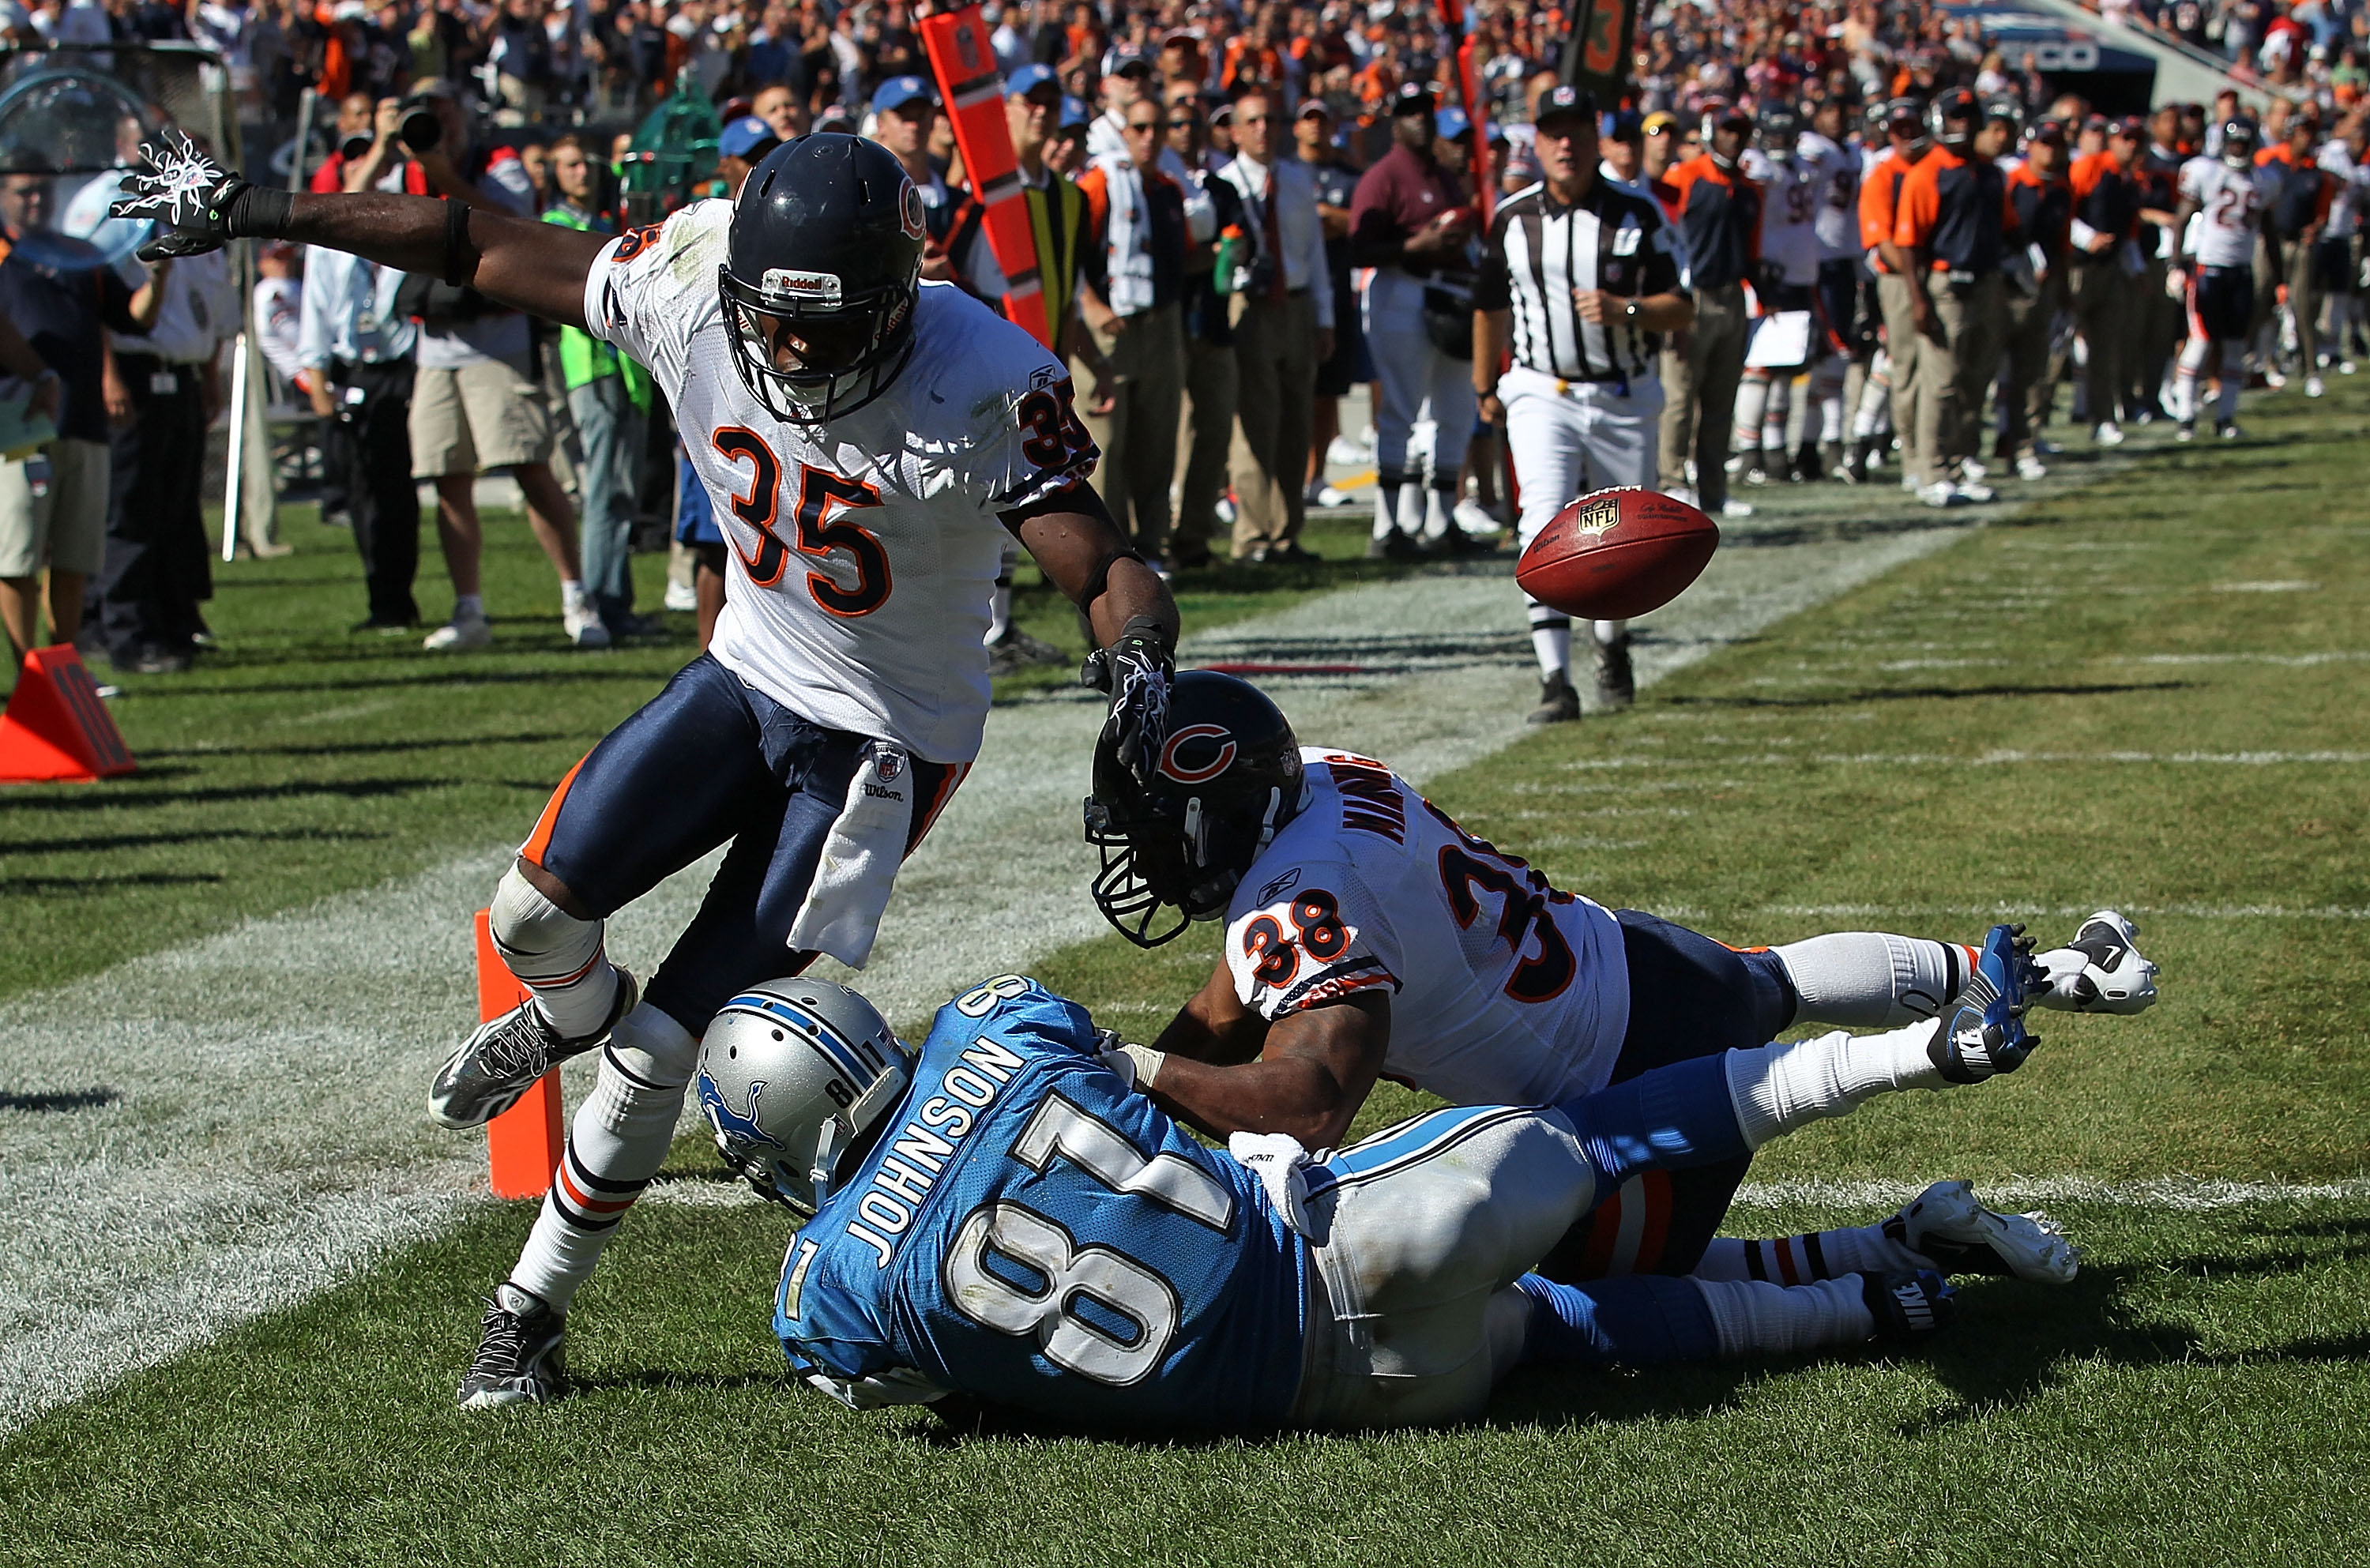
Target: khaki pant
<point x="1903" y="347"/>
<point x="2100" y="293"/>
<point x="1701" y="368"/>
<point x="1205" y="428"/>
<point x="2026" y="393"/>
<point x="1275" y="363"/>
<point x="1952" y="371"/>
<point x="2304" y="301"/>
<point x="1139" y="435"/>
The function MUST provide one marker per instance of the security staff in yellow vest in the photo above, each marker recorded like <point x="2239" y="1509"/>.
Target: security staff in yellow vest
<point x="608" y="397"/>
<point x="1059" y="222"/>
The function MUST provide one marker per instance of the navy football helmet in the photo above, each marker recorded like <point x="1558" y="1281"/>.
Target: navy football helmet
<point x="2240" y="139"/>
<point x="1229" y="775"/>
<point x="823" y="268"/>
<point x="1776" y="132"/>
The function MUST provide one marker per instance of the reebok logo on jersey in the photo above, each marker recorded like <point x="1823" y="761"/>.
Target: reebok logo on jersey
<point x="1280" y="886"/>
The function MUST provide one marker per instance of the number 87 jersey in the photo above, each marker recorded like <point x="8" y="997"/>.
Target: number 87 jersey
<point x="1504" y="990"/>
<point x="865" y="551"/>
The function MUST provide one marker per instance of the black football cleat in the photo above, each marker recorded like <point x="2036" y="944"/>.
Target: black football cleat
<point x="503" y="1056"/>
<point x="522" y="1356"/>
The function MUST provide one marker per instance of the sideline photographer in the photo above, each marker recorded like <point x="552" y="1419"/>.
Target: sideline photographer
<point x="477" y="404"/>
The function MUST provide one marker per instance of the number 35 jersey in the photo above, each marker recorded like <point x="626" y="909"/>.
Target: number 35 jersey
<point x="1031" y="1230"/>
<point x="863" y="552"/>
<point x="1504" y="990"/>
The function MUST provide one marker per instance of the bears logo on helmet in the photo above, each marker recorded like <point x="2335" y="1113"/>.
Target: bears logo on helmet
<point x="917" y="219"/>
<point x="1176" y="764"/>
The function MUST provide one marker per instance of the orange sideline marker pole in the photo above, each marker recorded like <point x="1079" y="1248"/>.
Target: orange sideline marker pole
<point x="523" y="1143"/>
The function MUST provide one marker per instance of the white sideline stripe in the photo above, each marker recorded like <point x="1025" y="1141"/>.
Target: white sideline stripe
<point x="2007" y="911"/>
<point x="2287" y="661"/>
<point x="1986" y="759"/>
<point x="289" y="1057"/>
<point x="2178" y="1193"/>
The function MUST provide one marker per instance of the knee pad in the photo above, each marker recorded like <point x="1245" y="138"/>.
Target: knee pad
<point x="652" y="1050"/>
<point x="537" y="940"/>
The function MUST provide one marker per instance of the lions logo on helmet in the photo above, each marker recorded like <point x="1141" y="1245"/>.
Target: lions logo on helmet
<point x="816" y="1065"/>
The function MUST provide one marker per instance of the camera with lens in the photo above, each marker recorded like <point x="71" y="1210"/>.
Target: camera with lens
<point x="422" y="128"/>
<point x="356" y="147"/>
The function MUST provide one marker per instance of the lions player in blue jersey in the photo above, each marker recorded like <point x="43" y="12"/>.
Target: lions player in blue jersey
<point x="1002" y="1214"/>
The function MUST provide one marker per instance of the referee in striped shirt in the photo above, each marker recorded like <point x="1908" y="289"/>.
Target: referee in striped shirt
<point x="1580" y="279"/>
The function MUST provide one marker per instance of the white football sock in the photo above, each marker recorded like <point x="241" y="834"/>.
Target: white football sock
<point x="1609" y="632"/>
<point x="1780" y="1087"/>
<point x="1875" y="412"/>
<point x="1550" y="640"/>
<point x="1386" y="504"/>
<point x="1826" y="395"/>
<point x="616" y="1144"/>
<point x="1872" y="978"/>
<point x="1752" y="399"/>
<point x="1797" y="1260"/>
<point x="1437" y="505"/>
<point x="1756" y="1319"/>
<point x="561" y="959"/>
<point x="571" y="593"/>
<point x="999" y="612"/>
<point x="1778" y="410"/>
<point x="2225" y="397"/>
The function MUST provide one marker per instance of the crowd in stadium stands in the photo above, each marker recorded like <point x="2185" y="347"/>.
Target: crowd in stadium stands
<point x="1220" y="195"/>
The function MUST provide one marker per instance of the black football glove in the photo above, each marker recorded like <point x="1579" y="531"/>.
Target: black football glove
<point x="195" y="202"/>
<point x="1135" y="672"/>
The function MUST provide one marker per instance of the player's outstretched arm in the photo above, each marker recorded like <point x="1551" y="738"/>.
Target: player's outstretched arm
<point x="1315" y="1070"/>
<point x="1213" y="1025"/>
<point x="1083" y="555"/>
<point x="197" y="205"/>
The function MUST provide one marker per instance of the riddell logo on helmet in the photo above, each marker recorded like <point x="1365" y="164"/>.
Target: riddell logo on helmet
<point x="782" y="282"/>
<point x="1197" y="753"/>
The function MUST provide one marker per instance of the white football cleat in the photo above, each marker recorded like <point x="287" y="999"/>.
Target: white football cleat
<point x="2109" y="434"/>
<point x="1949" y="1226"/>
<point x="1942" y="492"/>
<point x="1734" y="508"/>
<point x="2313" y="388"/>
<point x="2030" y="468"/>
<point x="2100" y="970"/>
<point x="1474" y="519"/>
<point x="460" y="634"/>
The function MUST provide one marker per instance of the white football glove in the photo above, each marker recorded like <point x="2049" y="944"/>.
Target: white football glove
<point x="1281" y="1163"/>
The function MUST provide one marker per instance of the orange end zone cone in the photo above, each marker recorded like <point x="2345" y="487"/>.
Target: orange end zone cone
<point x="523" y="1143"/>
<point x="56" y="730"/>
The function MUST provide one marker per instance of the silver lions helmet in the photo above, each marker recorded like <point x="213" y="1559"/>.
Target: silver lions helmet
<point x="792" y="1075"/>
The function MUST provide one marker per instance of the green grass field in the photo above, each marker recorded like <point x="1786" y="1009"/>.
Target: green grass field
<point x="2147" y="694"/>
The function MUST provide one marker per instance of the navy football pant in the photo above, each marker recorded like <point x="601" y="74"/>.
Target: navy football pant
<point x="1689" y="996"/>
<point x="710" y="759"/>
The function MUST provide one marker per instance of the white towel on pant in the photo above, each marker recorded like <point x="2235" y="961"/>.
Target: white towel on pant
<point x="858" y="869"/>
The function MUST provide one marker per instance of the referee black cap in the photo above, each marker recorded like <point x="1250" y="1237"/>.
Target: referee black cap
<point x="1567" y="100"/>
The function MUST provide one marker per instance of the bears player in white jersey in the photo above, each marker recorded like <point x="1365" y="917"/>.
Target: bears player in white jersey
<point x="2226" y="201"/>
<point x="1368" y="935"/>
<point x="1793" y="189"/>
<point x="870" y="439"/>
<point x="1822" y="148"/>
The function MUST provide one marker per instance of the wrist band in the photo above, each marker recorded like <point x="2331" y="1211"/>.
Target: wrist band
<point x="259" y="212"/>
<point x="457" y="243"/>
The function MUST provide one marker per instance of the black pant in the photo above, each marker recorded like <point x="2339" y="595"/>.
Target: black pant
<point x="157" y="567"/>
<point x="381" y="497"/>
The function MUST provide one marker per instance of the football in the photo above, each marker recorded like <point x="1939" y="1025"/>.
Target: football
<point x="1617" y="553"/>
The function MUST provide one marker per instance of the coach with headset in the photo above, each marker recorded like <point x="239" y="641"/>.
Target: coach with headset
<point x="1580" y="279"/>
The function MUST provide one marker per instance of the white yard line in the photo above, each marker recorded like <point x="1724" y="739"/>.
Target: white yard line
<point x="253" y="1130"/>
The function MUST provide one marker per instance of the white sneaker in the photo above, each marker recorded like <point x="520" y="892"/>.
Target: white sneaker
<point x="2187" y="432"/>
<point x="2228" y="431"/>
<point x="1474" y="519"/>
<point x="2109" y="434"/>
<point x="2344" y="368"/>
<point x="1970" y="470"/>
<point x="1976" y="495"/>
<point x="681" y="596"/>
<point x="1326" y="497"/>
<point x="582" y="624"/>
<point x="2100" y="970"/>
<point x="2312" y="386"/>
<point x="1909" y="485"/>
<point x="1948" y="1226"/>
<point x="460" y="634"/>
<point x="2273" y="378"/>
<point x="1734" y="508"/>
<point x="1941" y="492"/>
<point x="1344" y="453"/>
<point x="2030" y="468"/>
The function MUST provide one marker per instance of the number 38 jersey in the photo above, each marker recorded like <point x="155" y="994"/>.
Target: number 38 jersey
<point x="863" y="553"/>
<point x="1505" y="990"/>
<point x="1031" y="1230"/>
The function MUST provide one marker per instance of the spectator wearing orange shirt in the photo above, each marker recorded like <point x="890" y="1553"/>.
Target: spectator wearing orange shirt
<point x="2101" y="269"/>
<point x="1719" y="215"/>
<point x="1953" y="226"/>
<point x="1879" y="203"/>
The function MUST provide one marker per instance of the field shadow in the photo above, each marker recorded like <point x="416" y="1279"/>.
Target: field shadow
<point x="349" y="788"/>
<point x="1919" y="693"/>
<point x="58" y="1100"/>
<point x="110" y="843"/>
<point x="366" y="748"/>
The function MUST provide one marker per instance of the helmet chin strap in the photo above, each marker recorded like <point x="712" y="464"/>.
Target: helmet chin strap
<point x="840" y="1134"/>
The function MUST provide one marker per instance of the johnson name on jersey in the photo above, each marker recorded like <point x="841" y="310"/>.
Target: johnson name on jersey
<point x="1031" y="1230"/>
<point x="865" y="552"/>
<point x="2229" y="207"/>
<point x="1504" y="990"/>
